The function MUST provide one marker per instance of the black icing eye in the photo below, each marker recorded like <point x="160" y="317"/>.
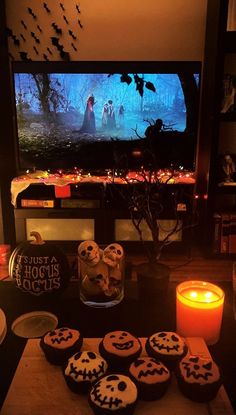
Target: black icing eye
<point x="112" y="247"/>
<point x="52" y="333"/>
<point x="112" y="377"/>
<point x="83" y="253"/>
<point x="77" y="355"/>
<point x="194" y="359"/>
<point x="207" y="366"/>
<point x="91" y="355"/>
<point x="122" y="386"/>
<point x="90" y="248"/>
<point x="99" y="277"/>
<point x="162" y="335"/>
<point x="112" y="336"/>
<point x="174" y="338"/>
<point x="124" y="333"/>
<point x="138" y="362"/>
<point x="118" y="252"/>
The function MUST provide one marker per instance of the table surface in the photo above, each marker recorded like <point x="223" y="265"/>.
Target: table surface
<point x="142" y="316"/>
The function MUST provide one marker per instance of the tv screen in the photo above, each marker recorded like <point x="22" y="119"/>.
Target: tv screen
<point x="102" y="115"/>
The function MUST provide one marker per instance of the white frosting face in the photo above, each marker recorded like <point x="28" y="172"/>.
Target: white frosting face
<point x="86" y="366"/>
<point x="61" y="338"/>
<point x="149" y="370"/>
<point x="195" y="369"/>
<point x="114" y="392"/>
<point x="121" y="343"/>
<point x="167" y="343"/>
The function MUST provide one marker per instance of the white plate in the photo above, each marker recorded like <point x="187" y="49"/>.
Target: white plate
<point x="35" y="324"/>
<point x="3" y="326"/>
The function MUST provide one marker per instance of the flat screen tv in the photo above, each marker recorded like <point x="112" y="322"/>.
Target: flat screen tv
<point x="105" y="115"/>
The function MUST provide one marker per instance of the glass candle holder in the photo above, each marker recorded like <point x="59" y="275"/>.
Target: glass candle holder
<point x="199" y="309"/>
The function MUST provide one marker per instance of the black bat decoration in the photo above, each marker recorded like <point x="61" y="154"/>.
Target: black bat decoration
<point x="49" y="51"/>
<point x="62" y="7"/>
<point x="36" y="50"/>
<point x="23" y="24"/>
<point x="72" y="34"/>
<point x="45" y="57"/>
<point x="77" y="8"/>
<point x="13" y="37"/>
<point x="22" y="37"/>
<point x="35" y="37"/>
<point x="64" y="17"/>
<point x="24" y="56"/>
<point x="30" y="11"/>
<point x="74" y="47"/>
<point x="39" y="28"/>
<point x="46" y="8"/>
<point x="80" y="24"/>
<point x="57" y="29"/>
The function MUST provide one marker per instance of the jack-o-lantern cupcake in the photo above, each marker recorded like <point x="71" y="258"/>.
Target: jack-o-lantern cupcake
<point x="82" y="369"/>
<point x="113" y="394"/>
<point x="120" y="348"/>
<point x="59" y="344"/>
<point x="151" y="377"/>
<point x="199" y="379"/>
<point x="166" y="346"/>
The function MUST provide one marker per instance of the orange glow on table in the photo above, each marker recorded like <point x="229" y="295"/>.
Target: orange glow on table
<point x="199" y="308"/>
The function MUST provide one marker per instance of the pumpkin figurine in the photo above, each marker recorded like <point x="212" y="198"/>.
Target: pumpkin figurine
<point x="38" y="267"/>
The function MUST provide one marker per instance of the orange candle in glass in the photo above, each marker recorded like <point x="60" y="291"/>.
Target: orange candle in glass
<point x="199" y="309"/>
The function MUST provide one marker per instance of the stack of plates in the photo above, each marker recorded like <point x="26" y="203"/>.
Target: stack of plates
<point x="3" y="326"/>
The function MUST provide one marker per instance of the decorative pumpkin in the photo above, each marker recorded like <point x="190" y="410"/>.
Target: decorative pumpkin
<point x="39" y="267"/>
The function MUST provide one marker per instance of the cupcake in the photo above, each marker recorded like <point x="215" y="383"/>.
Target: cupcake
<point x="168" y="347"/>
<point x="151" y="377"/>
<point x="113" y="394"/>
<point x="82" y="369"/>
<point x="199" y="379"/>
<point x="59" y="344"/>
<point x="120" y="348"/>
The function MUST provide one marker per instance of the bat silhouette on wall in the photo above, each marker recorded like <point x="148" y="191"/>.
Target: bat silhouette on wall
<point x="39" y="28"/>
<point x="10" y="34"/>
<point x="30" y="11"/>
<point x="36" y="50"/>
<point x="45" y="57"/>
<point x="72" y="34"/>
<point x="49" y="51"/>
<point x="23" y="24"/>
<point x="46" y="8"/>
<point x="63" y="54"/>
<point x="22" y="37"/>
<point x="57" y="29"/>
<point x="74" y="47"/>
<point x="77" y="8"/>
<point x="62" y="7"/>
<point x="35" y="37"/>
<point x="24" y="56"/>
<point x="64" y="17"/>
<point x="80" y="24"/>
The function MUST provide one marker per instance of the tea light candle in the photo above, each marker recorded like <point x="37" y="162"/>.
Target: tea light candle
<point x="199" y="308"/>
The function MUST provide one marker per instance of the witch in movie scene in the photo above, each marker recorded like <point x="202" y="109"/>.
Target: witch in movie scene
<point x="88" y="125"/>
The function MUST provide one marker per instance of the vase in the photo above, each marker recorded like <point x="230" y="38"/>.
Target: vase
<point x="153" y="281"/>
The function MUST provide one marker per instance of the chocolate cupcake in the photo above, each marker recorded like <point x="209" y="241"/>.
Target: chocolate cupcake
<point x="82" y="369"/>
<point x="59" y="344"/>
<point x="151" y="377"/>
<point x="113" y="394"/>
<point x="199" y="379"/>
<point x="119" y="348"/>
<point x="168" y="347"/>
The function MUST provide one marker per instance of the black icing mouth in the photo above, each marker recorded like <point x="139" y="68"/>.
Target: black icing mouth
<point x="104" y="400"/>
<point x="156" y="344"/>
<point x="152" y="372"/>
<point x="87" y="374"/>
<point x="123" y="346"/>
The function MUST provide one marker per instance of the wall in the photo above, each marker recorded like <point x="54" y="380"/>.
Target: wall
<point x="112" y="29"/>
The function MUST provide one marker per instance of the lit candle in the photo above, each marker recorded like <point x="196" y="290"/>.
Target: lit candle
<point x="199" y="308"/>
